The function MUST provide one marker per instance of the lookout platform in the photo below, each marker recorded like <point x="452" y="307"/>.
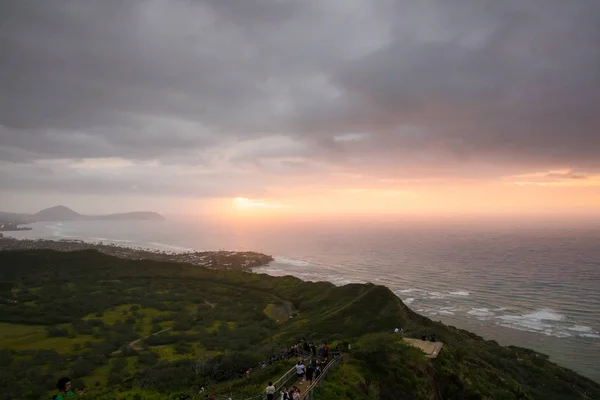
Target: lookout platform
<point x="431" y="349"/>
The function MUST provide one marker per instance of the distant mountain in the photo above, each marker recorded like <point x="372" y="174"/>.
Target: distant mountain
<point x="58" y="213"/>
<point x="62" y="213"/>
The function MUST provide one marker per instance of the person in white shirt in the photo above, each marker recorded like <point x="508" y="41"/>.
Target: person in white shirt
<point x="270" y="391"/>
<point x="284" y="394"/>
<point x="300" y="369"/>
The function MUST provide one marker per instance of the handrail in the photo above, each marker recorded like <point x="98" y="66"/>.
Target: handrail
<point x="281" y="382"/>
<point x="309" y="392"/>
<point x="290" y="374"/>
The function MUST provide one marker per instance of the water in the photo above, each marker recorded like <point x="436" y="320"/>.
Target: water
<point x="531" y="285"/>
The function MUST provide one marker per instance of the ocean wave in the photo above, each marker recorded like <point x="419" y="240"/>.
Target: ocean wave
<point x="591" y="335"/>
<point x="460" y="293"/>
<point x="407" y="290"/>
<point x="446" y="312"/>
<point x="408" y="301"/>
<point x="481" y="312"/>
<point x="580" y="328"/>
<point x="541" y="321"/>
<point x="291" y="261"/>
<point x="545" y="314"/>
<point x="435" y="295"/>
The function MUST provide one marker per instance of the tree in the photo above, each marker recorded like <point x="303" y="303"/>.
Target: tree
<point x="182" y="347"/>
<point x="81" y="367"/>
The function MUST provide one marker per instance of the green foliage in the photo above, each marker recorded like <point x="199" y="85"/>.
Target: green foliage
<point x="98" y="318"/>
<point x="54" y="331"/>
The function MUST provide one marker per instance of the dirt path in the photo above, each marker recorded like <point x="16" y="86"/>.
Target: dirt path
<point x="132" y="344"/>
<point x="209" y="304"/>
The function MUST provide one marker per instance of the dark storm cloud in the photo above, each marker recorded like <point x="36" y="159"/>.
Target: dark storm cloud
<point x="427" y="86"/>
<point x="514" y="82"/>
<point x="112" y="67"/>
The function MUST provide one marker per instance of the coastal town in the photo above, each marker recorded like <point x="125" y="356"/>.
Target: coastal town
<point x="12" y="226"/>
<point x="223" y="260"/>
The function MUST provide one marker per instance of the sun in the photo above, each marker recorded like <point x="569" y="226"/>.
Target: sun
<point x="242" y="202"/>
<point x="245" y="204"/>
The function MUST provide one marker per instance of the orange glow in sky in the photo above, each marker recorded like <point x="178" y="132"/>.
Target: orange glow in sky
<point x="526" y="193"/>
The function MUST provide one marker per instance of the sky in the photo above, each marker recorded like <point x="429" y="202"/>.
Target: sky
<point x="314" y="107"/>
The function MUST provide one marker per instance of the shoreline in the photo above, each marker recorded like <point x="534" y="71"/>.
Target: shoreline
<point x="217" y="260"/>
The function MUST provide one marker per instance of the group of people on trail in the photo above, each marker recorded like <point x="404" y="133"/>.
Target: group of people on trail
<point x="304" y="372"/>
<point x="292" y="394"/>
<point x="306" y="348"/>
<point x="311" y="371"/>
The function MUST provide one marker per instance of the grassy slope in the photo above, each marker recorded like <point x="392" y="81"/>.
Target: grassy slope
<point x="468" y="367"/>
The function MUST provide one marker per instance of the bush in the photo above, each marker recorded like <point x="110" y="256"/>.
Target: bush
<point x="81" y="367"/>
<point x="55" y="331"/>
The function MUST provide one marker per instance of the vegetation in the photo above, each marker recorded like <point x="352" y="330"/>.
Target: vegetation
<point x="131" y="329"/>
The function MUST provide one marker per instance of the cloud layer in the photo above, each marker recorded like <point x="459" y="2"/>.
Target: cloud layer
<point x="230" y="98"/>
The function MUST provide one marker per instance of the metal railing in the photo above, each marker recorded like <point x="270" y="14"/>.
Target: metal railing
<point x="291" y="375"/>
<point x="309" y="393"/>
<point x="281" y="382"/>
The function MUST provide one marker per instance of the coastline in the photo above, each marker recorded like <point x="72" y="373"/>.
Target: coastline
<point x="575" y="351"/>
<point x="217" y="260"/>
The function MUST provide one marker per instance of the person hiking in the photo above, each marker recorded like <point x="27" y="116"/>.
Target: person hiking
<point x="310" y="370"/>
<point x="270" y="391"/>
<point x="64" y="390"/>
<point x="284" y="394"/>
<point x="325" y="350"/>
<point x="300" y="368"/>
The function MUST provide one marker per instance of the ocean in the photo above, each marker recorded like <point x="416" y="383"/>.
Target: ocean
<point x="530" y="284"/>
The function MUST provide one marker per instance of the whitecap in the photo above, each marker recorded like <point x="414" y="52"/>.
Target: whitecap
<point x="562" y="334"/>
<point x="446" y="312"/>
<point x="435" y="295"/>
<point x="460" y="293"/>
<point x="409" y="300"/>
<point x="407" y="290"/>
<point x="580" y="328"/>
<point x="539" y="321"/>
<point x="480" y="312"/>
<point x="591" y="335"/>
<point x="539" y="315"/>
<point x="291" y="261"/>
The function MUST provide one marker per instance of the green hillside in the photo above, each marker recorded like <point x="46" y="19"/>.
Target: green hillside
<point x="126" y="329"/>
